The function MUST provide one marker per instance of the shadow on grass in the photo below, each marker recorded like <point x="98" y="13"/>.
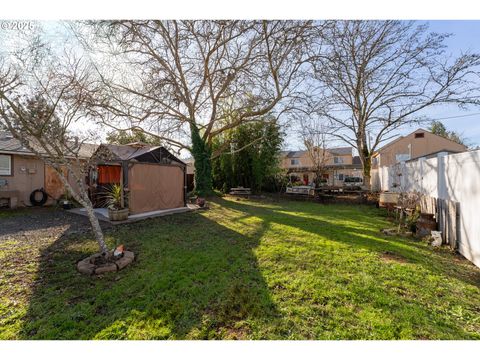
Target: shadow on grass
<point x="196" y="278"/>
<point x="382" y="287"/>
<point x="335" y="226"/>
<point x="192" y="278"/>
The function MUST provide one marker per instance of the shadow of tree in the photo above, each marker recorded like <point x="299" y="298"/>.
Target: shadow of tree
<point x="291" y="271"/>
<point x="394" y="287"/>
<point x="192" y="278"/>
<point x="362" y="235"/>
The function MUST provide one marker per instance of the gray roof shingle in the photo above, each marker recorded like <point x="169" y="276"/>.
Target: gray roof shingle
<point x="9" y="144"/>
<point x="347" y="150"/>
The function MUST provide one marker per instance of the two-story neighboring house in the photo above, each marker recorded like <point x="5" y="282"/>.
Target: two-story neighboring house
<point x="338" y="163"/>
<point x="417" y="144"/>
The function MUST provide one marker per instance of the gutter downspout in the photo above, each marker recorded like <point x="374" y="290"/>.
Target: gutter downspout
<point x="185" y="186"/>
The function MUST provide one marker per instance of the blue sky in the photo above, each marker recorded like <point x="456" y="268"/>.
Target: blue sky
<point x="466" y="37"/>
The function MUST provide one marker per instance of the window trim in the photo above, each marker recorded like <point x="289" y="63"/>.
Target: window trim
<point x="338" y="160"/>
<point x="11" y="164"/>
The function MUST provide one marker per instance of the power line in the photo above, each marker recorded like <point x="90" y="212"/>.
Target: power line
<point x="458" y="116"/>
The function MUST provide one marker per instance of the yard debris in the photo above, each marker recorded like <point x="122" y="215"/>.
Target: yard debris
<point x="437" y="238"/>
<point x="390" y="232"/>
<point x="118" y="252"/>
<point x="396" y="232"/>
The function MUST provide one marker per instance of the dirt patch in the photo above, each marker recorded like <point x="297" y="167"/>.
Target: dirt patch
<point x="235" y="334"/>
<point x="390" y="256"/>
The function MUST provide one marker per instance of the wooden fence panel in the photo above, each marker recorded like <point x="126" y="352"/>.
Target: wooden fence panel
<point x="448" y="221"/>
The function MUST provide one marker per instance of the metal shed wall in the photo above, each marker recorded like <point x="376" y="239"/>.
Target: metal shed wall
<point x="155" y="187"/>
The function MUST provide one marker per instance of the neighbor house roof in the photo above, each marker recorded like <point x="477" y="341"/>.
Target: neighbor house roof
<point x="10" y="145"/>
<point x="347" y="150"/>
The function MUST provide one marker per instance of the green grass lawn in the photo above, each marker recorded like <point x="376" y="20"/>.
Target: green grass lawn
<point x="246" y="270"/>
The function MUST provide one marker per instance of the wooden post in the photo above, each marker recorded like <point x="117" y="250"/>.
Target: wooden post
<point x="122" y="200"/>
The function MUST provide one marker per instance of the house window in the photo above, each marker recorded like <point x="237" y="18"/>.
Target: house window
<point x="337" y="160"/>
<point x="294" y="162"/>
<point x="419" y="135"/>
<point x="6" y="165"/>
<point x="340" y="177"/>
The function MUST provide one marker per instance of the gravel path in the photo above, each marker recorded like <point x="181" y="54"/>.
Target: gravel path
<point x="40" y="223"/>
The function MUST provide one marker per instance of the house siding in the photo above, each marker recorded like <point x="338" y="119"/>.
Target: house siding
<point x="28" y="175"/>
<point x="414" y="147"/>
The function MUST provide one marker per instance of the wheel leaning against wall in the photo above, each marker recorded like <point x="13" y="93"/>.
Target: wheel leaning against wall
<point x="33" y="197"/>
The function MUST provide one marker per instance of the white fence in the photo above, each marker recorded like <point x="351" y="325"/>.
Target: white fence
<point x="449" y="177"/>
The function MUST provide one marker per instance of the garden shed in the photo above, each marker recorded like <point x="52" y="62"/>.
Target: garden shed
<point x="151" y="177"/>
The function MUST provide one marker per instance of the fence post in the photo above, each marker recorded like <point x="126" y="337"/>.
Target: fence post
<point x="441" y="176"/>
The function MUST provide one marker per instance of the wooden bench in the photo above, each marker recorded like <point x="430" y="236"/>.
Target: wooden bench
<point x="240" y="191"/>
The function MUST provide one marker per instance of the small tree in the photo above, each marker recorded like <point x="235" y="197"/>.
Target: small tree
<point x="123" y="137"/>
<point x="252" y="159"/>
<point x="315" y="135"/>
<point x="41" y="97"/>
<point x="437" y="128"/>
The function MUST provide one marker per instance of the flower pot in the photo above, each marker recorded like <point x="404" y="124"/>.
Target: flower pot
<point x="67" y="205"/>
<point x="118" y="215"/>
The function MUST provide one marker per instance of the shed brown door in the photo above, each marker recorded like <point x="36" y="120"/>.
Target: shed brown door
<point x="155" y="187"/>
<point x="53" y="185"/>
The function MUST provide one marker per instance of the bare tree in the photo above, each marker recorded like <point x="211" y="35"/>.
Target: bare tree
<point x="376" y="76"/>
<point x="186" y="82"/>
<point x="315" y="135"/>
<point x="41" y="97"/>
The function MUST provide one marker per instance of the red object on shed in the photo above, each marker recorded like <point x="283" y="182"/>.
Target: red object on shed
<point x="109" y="174"/>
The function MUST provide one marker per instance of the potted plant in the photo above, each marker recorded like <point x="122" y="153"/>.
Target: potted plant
<point x="114" y="203"/>
<point x="200" y="202"/>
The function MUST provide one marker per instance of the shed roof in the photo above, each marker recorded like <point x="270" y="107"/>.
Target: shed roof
<point x="140" y="152"/>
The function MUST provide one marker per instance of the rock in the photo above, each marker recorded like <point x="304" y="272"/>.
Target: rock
<point x="127" y="258"/>
<point x="85" y="267"/>
<point x="109" y="267"/>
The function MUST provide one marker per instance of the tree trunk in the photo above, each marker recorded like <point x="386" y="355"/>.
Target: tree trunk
<point x="97" y="230"/>
<point x="203" y="164"/>
<point x="366" y="159"/>
<point x="83" y="199"/>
